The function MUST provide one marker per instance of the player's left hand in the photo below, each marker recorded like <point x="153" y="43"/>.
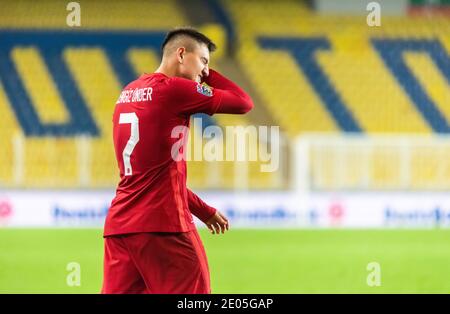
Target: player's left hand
<point x="218" y="223"/>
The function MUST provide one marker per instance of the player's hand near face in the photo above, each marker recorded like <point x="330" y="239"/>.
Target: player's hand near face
<point x="218" y="223"/>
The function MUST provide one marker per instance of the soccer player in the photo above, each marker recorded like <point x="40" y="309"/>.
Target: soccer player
<point x="151" y="243"/>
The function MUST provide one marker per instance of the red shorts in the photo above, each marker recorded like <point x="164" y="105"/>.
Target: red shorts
<point x="156" y="262"/>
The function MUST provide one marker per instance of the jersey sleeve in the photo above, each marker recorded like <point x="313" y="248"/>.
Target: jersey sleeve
<point x="199" y="208"/>
<point x="234" y="99"/>
<point x="220" y="95"/>
<point x="187" y="97"/>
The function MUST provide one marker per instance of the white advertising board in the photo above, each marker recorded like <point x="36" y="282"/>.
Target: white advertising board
<point x="246" y="210"/>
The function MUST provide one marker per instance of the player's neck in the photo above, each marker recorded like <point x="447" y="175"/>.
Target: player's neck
<point x="166" y="70"/>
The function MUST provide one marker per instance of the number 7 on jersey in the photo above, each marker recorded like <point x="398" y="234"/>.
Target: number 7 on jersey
<point x="131" y="118"/>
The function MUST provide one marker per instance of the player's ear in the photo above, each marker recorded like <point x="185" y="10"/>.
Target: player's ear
<point x="180" y="54"/>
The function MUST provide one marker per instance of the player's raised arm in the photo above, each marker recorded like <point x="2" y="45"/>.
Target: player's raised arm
<point x="234" y="99"/>
<point x="189" y="97"/>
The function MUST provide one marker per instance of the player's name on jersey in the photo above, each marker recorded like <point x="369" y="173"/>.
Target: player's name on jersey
<point x="135" y="95"/>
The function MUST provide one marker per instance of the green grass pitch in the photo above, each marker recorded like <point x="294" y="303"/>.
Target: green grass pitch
<point x="246" y="261"/>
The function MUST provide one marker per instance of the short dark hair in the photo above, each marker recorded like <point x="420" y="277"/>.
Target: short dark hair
<point x="189" y="32"/>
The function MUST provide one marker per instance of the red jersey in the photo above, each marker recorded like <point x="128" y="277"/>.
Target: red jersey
<point x="152" y="195"/>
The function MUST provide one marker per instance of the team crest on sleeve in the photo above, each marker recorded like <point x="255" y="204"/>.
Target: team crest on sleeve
<point x="205" y="90"/>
